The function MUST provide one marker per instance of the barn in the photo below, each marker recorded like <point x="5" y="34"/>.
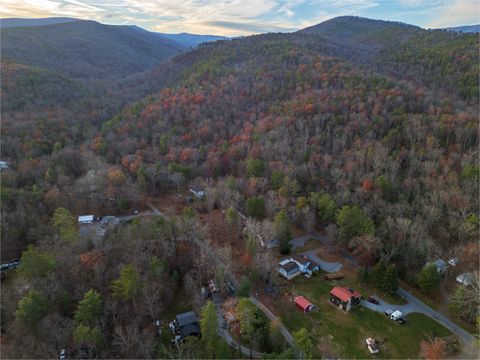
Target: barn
<point x="303" y="304"/>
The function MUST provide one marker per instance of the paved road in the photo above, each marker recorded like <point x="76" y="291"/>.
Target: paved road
<point x="225" y="334"/>
<point x="330" y="267"/>
<point x="419" y="306"/>
<point x="416" y="306"/>
<point x="299" y="241"/>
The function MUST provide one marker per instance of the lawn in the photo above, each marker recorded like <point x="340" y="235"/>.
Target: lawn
<point x="340" y="334"/>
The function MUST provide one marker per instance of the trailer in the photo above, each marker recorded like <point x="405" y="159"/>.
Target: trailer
<point x="333" y="276"/>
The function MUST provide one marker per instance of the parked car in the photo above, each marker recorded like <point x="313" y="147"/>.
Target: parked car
<point x="135" y="212"/>
<point x="373" y="300"/>
<point x="397" y="314"/>
<point x="388" y="312"/>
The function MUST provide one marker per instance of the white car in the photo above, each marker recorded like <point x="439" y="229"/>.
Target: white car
<point x="396" y="315"/>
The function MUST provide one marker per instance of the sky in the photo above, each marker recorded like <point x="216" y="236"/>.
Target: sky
<point x="245" y="17"/>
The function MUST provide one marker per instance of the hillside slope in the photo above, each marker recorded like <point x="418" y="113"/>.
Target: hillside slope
<point x="435" y="58"/>
<point x="18" y="22"/>
<point x="86" y="49"/>
<point x="465" y="29"/>
<point x="192" y="40"/>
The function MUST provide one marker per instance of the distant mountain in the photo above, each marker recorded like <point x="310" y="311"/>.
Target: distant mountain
<point x="87" y="49"/>
<point x="17" y="22"/>
<point x="360" y="31"/>
<point x="192" y="40"/>
<point x="465" y="29"/>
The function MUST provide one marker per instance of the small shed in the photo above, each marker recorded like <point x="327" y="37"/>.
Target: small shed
<point x="86" y="219"/>
<point x="303" y="304"/>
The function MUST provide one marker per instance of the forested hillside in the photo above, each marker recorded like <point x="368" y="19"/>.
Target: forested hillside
<point x="86" y="49"/>
<point x="365" y="130"/>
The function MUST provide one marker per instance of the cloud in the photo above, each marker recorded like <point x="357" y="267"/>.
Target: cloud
<point x="457" y="12"/>
<point x="248" y="27"/>
<point x="421" y="3"/>
<point x="242" y="17"/>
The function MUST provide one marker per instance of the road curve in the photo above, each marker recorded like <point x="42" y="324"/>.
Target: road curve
<point x="286" y="334"/>
<point x="419" y="306"/>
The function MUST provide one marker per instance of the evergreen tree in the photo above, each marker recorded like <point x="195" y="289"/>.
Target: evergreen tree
<point x="87" y="335"/>
<point x="282" y="227"/>
<point x="32" y="308"/>
<point x="303" y="343"/>
<point x="128" y="285"/>
<point x="256" y="207"/>
<point x="324" y="206"/>
<point x="276" y="179"/>
<point x="352" y="221"/>
<point x="377" y="274"/>
<point x="208" y="325"/>
<point x="428" y="278"/>
<point x="255" y="167"/>
<point x="247" y="317"/>
<point x="89" y="309"/>
<point x="390" y="281"/>
<point x="35" y="263"/>
<point x="244" y="290"/>
<point x="64" y="223"/>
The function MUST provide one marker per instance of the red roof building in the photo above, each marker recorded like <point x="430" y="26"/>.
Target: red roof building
<point x="344" y="298"/>
<point x="303" y="304"/>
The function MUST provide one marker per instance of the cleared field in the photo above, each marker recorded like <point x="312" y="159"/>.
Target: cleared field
<point x="343" y="334"/>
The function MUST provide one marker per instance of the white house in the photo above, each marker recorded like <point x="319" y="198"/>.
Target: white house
<point x="85" y="219"/>
<point x="294" y="265"/>
<point x="466" y="279"/>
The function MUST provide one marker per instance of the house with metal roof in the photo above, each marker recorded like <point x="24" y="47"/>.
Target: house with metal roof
<point x="344" y="298"/>
<point x="303" y="304"/>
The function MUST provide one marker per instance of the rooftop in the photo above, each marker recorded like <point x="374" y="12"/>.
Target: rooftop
<point x="186" y="318"/>
<point x="344" y="293"/>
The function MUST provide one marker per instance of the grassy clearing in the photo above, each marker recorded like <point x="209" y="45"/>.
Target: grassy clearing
<point x="343" y="334"/>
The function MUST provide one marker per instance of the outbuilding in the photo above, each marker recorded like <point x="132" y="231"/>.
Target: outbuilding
<point x="85" y="219"/>
<point x="466" y="279"/>
<point x="303" y="304"/>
